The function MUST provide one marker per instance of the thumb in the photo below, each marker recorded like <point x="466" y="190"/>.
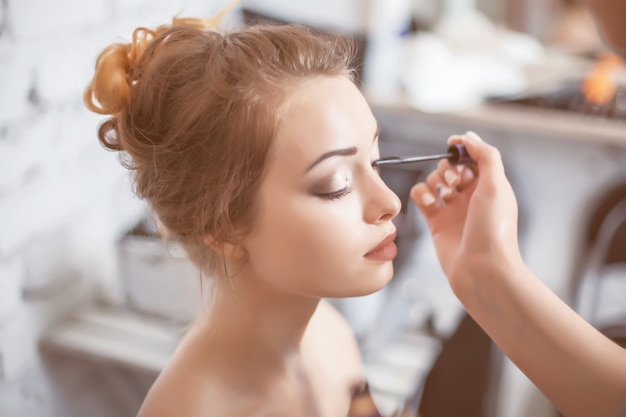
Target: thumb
<point x="487" y="157"/>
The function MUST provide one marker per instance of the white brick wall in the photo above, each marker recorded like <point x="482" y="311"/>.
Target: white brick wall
<point x="64" y="201"/>
<point x="11" y="273"/>
<point x="16" y="343"/>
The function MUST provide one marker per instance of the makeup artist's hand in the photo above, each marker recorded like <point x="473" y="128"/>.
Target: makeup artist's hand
<point x="472" y="213"/>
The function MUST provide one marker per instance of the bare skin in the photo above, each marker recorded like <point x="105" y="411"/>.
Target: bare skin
<point x="475" y="232"/>
<point x="581" y="371"/>
<point x="220" y="376"/>
<point x="267" y="346"/>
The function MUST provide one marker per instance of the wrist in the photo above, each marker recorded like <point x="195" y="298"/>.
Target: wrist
<point x="483" y="278"/>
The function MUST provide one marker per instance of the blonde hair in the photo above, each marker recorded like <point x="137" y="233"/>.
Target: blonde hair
<point x="194" y="112"/>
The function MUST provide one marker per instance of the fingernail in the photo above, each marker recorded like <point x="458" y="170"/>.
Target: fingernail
<point x="450" y="176"/>
<point x="453" y="137"/>
<point x="473" y="137"/>
<point x="427" y="199"/>
<point x="443" y="191"/>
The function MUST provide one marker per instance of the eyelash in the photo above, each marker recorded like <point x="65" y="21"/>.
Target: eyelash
<point x="337" y="194"/>
<point x="344" y="191"/>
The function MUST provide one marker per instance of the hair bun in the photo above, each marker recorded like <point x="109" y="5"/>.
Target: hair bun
<point x="117" y="69"/>
<point x="118" y="66"/>
<point x="109" y="90"/>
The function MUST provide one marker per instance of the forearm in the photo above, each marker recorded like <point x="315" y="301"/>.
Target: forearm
<point x="475" y="232"/>
<point x="582" y="372"/>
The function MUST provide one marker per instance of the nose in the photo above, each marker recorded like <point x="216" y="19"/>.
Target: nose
<point x="381" y="204"/>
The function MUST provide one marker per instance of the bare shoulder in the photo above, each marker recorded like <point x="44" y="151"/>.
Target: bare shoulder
<point x="190" y="385"/>
<point x="331" y="332"/>
<point x="180" y="391"/>
<point x="187" y="387"/>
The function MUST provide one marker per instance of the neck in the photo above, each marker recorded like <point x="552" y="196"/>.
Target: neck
<point x="250" y="320"/>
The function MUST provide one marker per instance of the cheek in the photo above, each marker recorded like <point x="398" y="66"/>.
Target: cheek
<point x="306" y="240"/>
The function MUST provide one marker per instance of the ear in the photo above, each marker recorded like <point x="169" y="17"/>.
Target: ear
<point x="230" y="251"/>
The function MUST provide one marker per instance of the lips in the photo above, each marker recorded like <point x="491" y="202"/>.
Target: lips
<point x="386" y="250"/>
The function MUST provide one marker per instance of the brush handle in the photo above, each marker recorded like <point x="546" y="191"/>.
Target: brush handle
<point x="459" y="155"/>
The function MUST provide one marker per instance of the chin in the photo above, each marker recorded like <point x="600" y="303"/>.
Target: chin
<point x="355" y="284"/>
<point x="375" y="281"/>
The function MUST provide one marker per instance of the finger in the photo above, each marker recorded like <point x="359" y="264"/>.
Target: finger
<point x="422" y="195"/>
<point x="487" y="157"/>
<point x="467" y="177"/>
<point x="459" y="176"/>
<point x="450" y="174"/>
<point x="438" y="186"/>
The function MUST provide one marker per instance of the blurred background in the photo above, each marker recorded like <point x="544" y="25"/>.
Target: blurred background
<point x="93" y="302"/>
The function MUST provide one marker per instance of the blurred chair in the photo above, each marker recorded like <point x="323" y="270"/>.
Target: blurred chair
<point x="599" y="292"/>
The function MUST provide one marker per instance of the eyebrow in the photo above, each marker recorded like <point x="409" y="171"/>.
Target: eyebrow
<point x="352" y="150"/>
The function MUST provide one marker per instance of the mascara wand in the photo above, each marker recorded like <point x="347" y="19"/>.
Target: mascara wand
<point x="456" y="154"/>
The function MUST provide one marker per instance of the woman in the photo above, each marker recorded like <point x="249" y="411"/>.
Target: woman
<point x="255" y="150"/>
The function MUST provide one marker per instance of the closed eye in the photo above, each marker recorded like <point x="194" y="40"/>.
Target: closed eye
<point x="334" y="195"/>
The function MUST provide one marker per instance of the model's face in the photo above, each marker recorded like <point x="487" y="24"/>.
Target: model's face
<point x="322" y="208"/>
